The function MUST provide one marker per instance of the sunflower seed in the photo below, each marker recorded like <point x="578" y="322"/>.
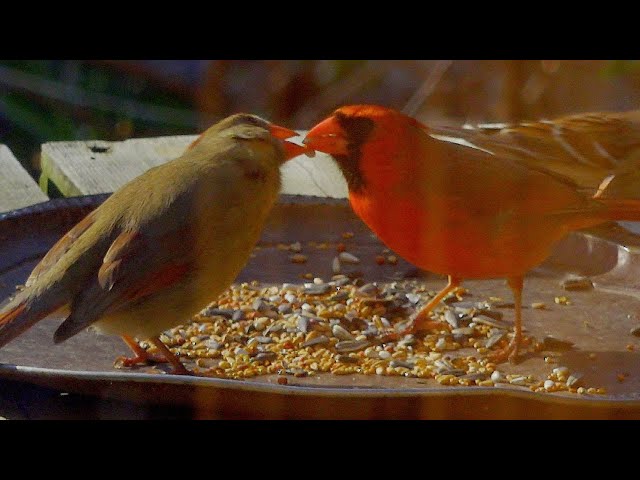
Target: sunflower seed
<point x="494" y="339"/>
<point x="371" y="353"/>
<point x="317" y="289"/>
<point x="264" y="356"/>
<point x="291" y="298"/>
<point x="346" y="359"/>
<point x="262" y="339"/>
<point x="401" y="363"/>
<point x="351" y="346"/>
<point x="339" y="296"/>
<point x="408" y="340"/>
<point x="384" y="355"/>
<point x="260" y="305"/>
<point x="222" y="312"/>
<point x="520" y="381"/>
<point x="261" y="323"/>
<point x="341" y="280"/>
<point x="492" y="322"/>
<point x="370" y="289"/>
<point x="346" y="257"/>
<point x="341" y="333"/>
<point x="463" y="331"/>
<point x="284" y="308"/>
<point x="335" y="265"/>
<point x="212" y="344"/>
<point x="274" y="328"/>
<point x="303" y="324"/>
<point x="321" y="340"/>
<point x="451" y="318"/>
<point x="498" y="377"/>
<point x="444" y="364"/>
<point x="413" y="297"/>
<point x="465" y="304"/>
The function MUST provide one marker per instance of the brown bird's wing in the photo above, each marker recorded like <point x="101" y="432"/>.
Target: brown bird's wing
<point x="585" y="148"/>
<point x="135" y="266"/>
<point x="61" y="247"/>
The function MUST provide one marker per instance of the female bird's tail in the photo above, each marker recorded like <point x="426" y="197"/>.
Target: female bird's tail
<point x="19" y="314"/>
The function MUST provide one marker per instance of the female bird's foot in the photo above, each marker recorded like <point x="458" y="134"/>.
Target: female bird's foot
<point x="146" y="359"/>
<point x="178" y="367"/>
<point x="143" y="357"/>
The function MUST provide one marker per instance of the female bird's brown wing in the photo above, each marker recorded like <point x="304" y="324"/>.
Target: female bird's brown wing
<point x="135" y="266"/>
<point x="61" y="247"/>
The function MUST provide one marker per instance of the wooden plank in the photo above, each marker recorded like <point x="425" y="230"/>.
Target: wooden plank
<point x="17" y="188"/>
<point x="82" y="168"/>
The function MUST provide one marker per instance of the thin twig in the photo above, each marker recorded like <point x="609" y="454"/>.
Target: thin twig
<point x="427" y="88"/>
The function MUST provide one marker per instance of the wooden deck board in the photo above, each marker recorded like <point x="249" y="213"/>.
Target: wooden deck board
<point x="89" y="167"/>
<point x="17" y="188"/>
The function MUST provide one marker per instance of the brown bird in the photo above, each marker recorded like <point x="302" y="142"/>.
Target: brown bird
<point x="453" y="209"/>
<point x="164" y="245"/>
<point x="598" y="151"/>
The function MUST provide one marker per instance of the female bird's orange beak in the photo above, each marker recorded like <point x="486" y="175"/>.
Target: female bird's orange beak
<point x="291" y="149"/>
<point x="328" y="137"/>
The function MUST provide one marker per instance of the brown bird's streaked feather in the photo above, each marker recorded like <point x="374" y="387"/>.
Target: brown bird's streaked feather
<point x="61" y="247"/>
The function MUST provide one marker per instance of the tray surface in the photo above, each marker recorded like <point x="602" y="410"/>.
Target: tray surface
<point x="597" y="321"/>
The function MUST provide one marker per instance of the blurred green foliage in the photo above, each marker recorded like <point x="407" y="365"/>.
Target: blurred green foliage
<point x="29" y="117"/>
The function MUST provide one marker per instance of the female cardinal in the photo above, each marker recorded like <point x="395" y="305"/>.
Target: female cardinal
<point x="162" y="246"/>
<point x="451" y="208"/>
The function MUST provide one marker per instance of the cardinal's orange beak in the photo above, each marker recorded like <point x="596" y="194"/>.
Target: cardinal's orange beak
<point x="328" y="137"/>
<point x="291" y="149"/>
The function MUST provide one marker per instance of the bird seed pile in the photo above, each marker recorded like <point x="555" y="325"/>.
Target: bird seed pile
<point x="346" y="327"/>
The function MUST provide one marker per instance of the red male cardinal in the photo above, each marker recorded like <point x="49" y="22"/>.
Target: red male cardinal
<point x="454" y="209"/>
<point x="162" y="246"/>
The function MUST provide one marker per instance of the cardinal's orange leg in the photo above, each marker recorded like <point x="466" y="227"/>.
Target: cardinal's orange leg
<point x="140" y="355"/>
<point x="422" y="320"/>
<point x="178" y="368"/>
<point x="511" y="350"/>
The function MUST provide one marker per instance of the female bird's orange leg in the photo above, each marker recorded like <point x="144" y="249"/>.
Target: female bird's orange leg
<point x="178" y="368"/>
<point x="141" y="355"/>
<point x="422" y="320"/>
<point x="511" y="350"/>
